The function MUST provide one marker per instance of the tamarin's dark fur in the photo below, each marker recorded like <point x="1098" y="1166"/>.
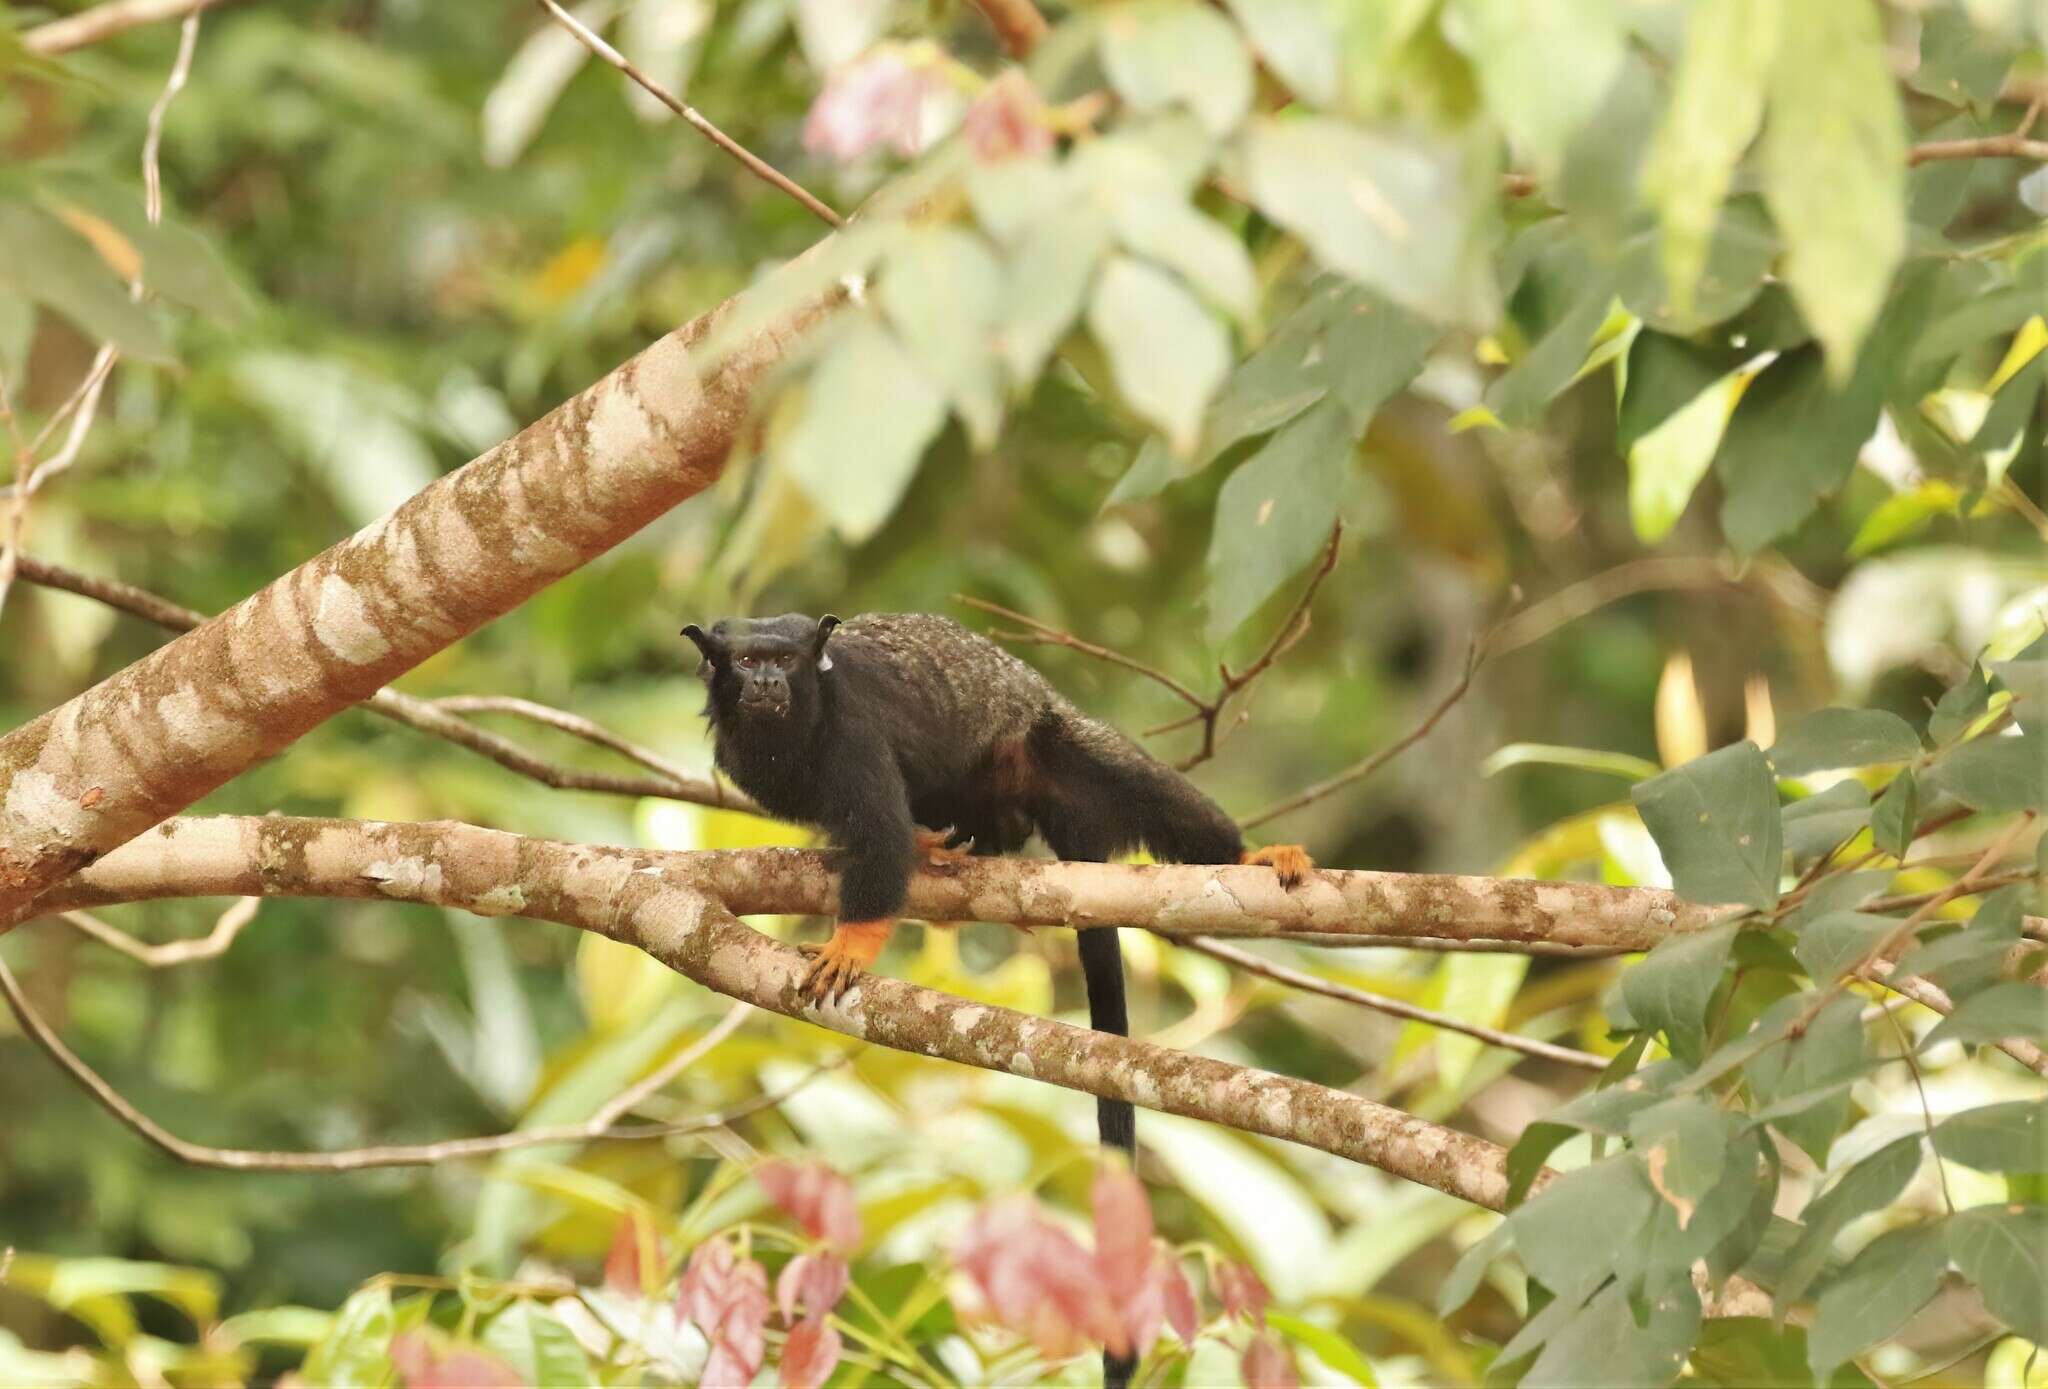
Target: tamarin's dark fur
<point x="873" y="728"/>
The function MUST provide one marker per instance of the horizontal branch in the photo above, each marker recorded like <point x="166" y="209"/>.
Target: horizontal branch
<point x="104" y="22"/>
<point x="481" y="870"/>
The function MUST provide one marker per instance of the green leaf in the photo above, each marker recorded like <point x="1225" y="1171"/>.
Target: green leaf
<point x="2027" y="680"/>
<point x="1463" y="1279"/>
<point x="355" y="1354"/>
<point x="1603" y="1347"/>
<point x="943" y="292"/>
<point x="1392" y="214"/>
<point x="2004" y="1251"/>
<point x="1816" y="824"/>
<point x="1960" y="706"/>
<point x="1173" y="52"/>
<point x="177" y="261"/>
<point x="1571" y="1233"/>
<point x="1603" y="164"/>
<point x="1167" y="353"/>
<point x="1740" y="253"/>
<point x="51" y="265"/>
<point x="1684" y="1143"/>
<point x="1801" y="1085"/>
<point x="1158" y="222"/>
<point x="1896" y="817"/>
<point x="1830" y="738"/>
<point x="866" y="414"/>
<point x="1544" y="66"/>
<point x="1050" y="273"/>
<point x="1671" y="987"/>
<point x="1870" y="1185"/>
<point x="1621" y="764"/>
<point x="1838" y="941"/>
<point x="1715" y="821"/>
<point x="1297" y="39"/>
<point x="1794" y="437"/>
<point x="1329" y="1347"/>
<point x="195" y="1293"/>
<point x="2011" y="1137"/>
<point x="1274" y="514"/>
<point x="2016" y="1008"/>
<point x="533" y="1341"/>
<point x="1757" y="1353"/>
<point x="1834" y="163"/>
<point x="1892" y="1278"/>
<point x="1717" y="103"/>
<point x="1666" y="463"/>
<point x="1995" y="774"/>
<point x="1522" y="393"/>
<point x="1961" y="62"/>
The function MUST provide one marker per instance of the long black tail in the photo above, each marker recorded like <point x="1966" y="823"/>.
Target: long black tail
<point x="1102" y="796"/>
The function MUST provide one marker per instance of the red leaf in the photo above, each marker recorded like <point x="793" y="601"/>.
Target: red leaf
<point x="1182" y="1310"/>
<point x="1268" y="1365"/>
<point x="815" y="1282"/>
<point x="1123" y="1232"/>
<point x="811" y="1354"/>
<point x="1008" y="120"/>
<point x="624" y="1266"/>
<point x="1038" y="1280"/>
<point x="819" y="1198"/>
<point x="1241" y="1293"/>
<point x="423" y="1367"/>
<point x="727" y="1297"/>
<point x="876" y="100"/>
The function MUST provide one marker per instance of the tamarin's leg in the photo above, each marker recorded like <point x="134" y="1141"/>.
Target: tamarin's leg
<point x="880" y="851"/>
<point x="855" y="945"/>
<point x="1290" y="861"/>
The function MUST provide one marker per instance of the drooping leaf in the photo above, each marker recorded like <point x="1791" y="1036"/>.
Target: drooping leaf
<point x="1831" y="738"/>
<point x="177" y="261"/>
<point x="2011" y="1137"/>
<point x="1603" y="164"/>
<point x="943" y="291"/>
<point x="2004" y="1251"/>
<point x="1962" y="62"/>
<point x="1297" y="39"/>
<point x="1167" y="353"/>
<point x="1158" y="222"/>
<point x="1838" y="941"/>
<point x="1873" y="1183"/>
<point x="866" y="415"/>
<point x="1570" y="1233"/>
<point x="1717" y="103"/>
<point x="1602" y="1347"/>
<point x="355" y="1353"/>
<point x="53" y="266"/>
<point x="1390" y="213"/>
<point x="1816" y="824"/>
<point x="1670" y="989"/>
<point x="533" y="1341"/>
<point x="1960" y="706"/>
<point x="1544" y="66"/>
<point x="1802" y="1084"/>
<point x="1896" y="816"/>
<point x="1051" y="269"/>
<point x="1834" y="161"/>
<point x="1160" y="53"/>
<point x="1995" y="774"/>
<point x="1275" y="513"/>
<point x="1891" y="1279"/>
<point x="1716" y="823"/>
<point x="2016" y="1008"/>
<point x="2027" y="680"/>
<point x="1666" y="463"/>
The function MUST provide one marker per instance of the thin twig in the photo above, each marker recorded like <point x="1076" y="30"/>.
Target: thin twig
<point x="354" y="1159"/>
<point x="1475" y="656"/>
<point x="1393" y="1007"/>
<point x="560" y="719"/>
<point x="1017" y="23"/>
<point x="171" y="953"/>
<point x="104" y="22"/>
<point x="753" y="163"/>
<point x="1919" y="1088"/>
<point x="1982" y="147"/>
<point x="656" y="1080"/>
<point x="1676" y="573"/>
<point x="1044" y="634"/>
<point x="1934" y="998"/>
<point x="426" y="715"/>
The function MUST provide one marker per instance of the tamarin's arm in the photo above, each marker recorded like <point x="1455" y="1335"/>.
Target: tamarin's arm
<point x="867" y="812"/>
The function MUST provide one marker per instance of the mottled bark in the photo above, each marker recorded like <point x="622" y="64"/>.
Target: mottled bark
<point x="160" y="734"/>
<point x="239" y="856"/>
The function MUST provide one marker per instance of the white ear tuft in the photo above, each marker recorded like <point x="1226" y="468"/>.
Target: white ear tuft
<point x="824" y="662"/>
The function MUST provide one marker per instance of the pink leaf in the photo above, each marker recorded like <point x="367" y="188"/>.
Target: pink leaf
<point x="1268" y="1365"/>
<point x="623" y="1266"/>
<point x="1007" y="121"/>
<point x="872" y="101"/>
<point x="1241" y="1293"/>
<point x="1123" y="1232"/>
<point x="810" y="1355"/>
<point x="1038" y="1280"/>
<point x="422" y="1366"/>
<point x="819" y="1199"/>
<point x="727" y="1298"/>
<point x="814" y="1282"/>
<point x="1181" y="1308"/>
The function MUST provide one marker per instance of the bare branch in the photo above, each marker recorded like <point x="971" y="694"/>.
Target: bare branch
<point x="599" y="1128"/>
<point x="1392" y="1007"/>
<point x="481" y="871"/>
<point x="1038" y="633"/>
<point x="104" y="22"/>
<point x="1930" y="995"/>
<point x="177" y="952"/>
<point x="753" y="163"/>
<point x="2012" y="146"/>
<point x="439" y="717"/>
<point x="1475" y="656"/>
<point x="1017" y="23"/>
<point x="1682" y="573"/>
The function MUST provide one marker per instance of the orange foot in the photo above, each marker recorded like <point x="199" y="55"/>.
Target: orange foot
<point x="937" y="853"/>
<point x="839" y="961"/>
<point x="1290" y="861"/>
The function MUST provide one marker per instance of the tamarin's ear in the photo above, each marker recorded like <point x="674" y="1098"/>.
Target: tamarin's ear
<point x="825" y="626"/>
<point x="710" y="646"/>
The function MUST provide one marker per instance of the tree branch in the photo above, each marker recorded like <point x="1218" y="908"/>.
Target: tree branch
<point x="153" y="738"/>
<point x="440" y="717"/>
<point x="104" y="22"/>
<point x="172" y="953"/>
<point x="483" y="870"/>
<point x="1017" y="23"/>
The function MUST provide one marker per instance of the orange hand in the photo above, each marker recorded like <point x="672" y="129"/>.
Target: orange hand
<point x="1290" y="861"/>
<point x="839" y="961"/>
<point x="937" y="853"/>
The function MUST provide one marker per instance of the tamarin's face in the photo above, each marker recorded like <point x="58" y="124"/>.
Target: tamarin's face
<point x="764" y="668"/>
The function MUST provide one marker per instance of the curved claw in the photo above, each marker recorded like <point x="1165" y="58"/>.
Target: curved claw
<point x="837" y="963"/>
<point x="938" y="848"/>
<point x="1290" y="861"/>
